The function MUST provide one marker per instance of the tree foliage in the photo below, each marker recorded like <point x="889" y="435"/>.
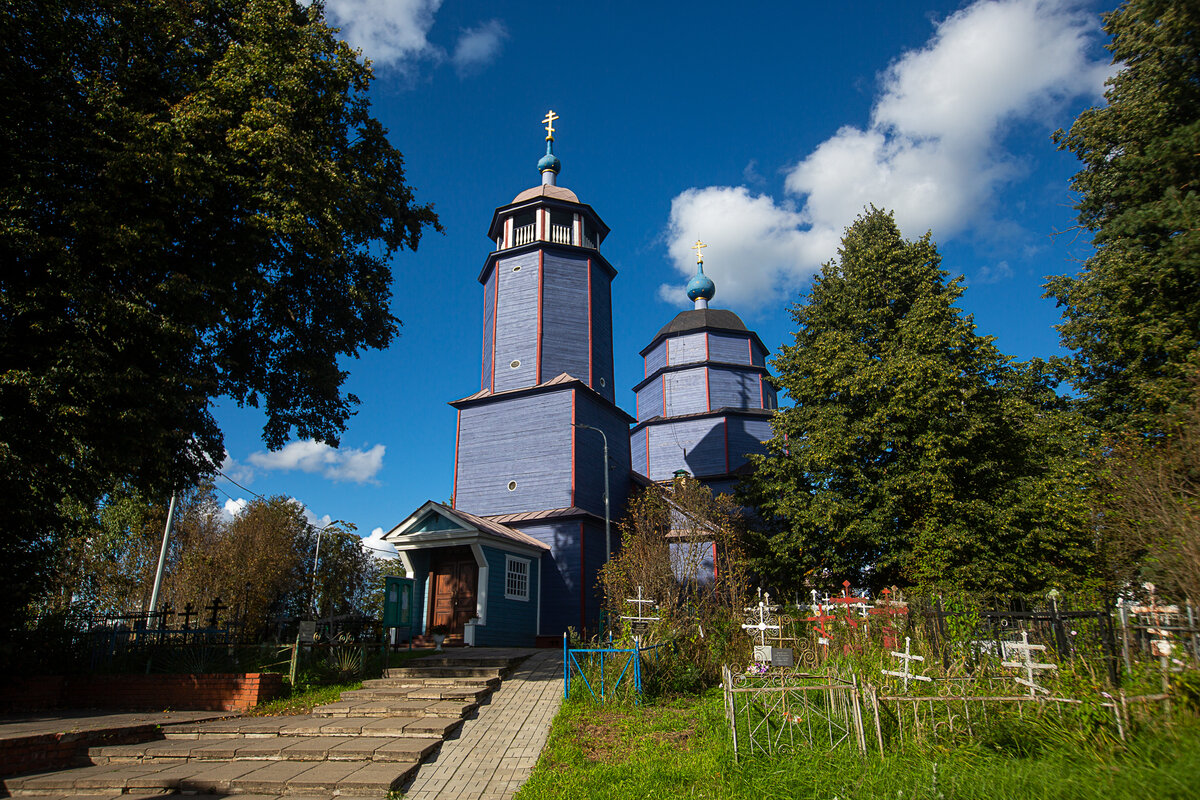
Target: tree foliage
<point x="915" y="453"/>
<point x="681" y="548"/>
<point x="1150" y="498"/>
<point x="197" y="203"/>
<point x="260" y="563"/>
<point x="1132" y="315"/>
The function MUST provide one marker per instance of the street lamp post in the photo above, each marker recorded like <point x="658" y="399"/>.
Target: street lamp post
<point x="317" y="559"/>
<point x="607" y="534"/>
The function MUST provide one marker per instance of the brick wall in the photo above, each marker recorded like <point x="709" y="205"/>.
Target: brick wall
<point x="230" y="692"/>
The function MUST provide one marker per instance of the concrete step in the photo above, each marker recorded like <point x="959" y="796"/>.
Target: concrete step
<point x="392" y="708"/>
<point x="276" y="778"/>
<point x="442" y="662"/>
<point x="442" y="671"/>
<point x="277" y="748"/>
<point x="436" y="691"/>
<point x="417" y="724"/>
<point x="411" y="682"/>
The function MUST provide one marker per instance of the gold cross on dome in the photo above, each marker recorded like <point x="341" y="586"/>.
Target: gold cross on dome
<point x="698" y="246"/>
<point x="549" y="123"/>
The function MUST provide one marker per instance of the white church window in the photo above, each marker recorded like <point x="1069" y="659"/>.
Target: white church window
<point x="516" y="578"/>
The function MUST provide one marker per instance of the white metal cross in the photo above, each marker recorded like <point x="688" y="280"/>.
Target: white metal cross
<point x="766" y="621"/>
<point x="1027" y="663"/>
<point x="906" y="658"/>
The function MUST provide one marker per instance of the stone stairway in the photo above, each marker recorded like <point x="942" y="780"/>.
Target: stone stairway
<point x="366" y="744"/>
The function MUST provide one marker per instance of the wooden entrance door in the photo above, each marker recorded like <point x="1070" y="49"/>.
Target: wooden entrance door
<point x="455" y="576"/>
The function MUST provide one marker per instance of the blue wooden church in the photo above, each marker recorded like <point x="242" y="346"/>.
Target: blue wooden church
<point x="514" y="559"/>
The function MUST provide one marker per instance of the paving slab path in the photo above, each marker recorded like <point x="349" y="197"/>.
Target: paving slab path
<point x="495" y="752"/>
<point x="367" y="744"/>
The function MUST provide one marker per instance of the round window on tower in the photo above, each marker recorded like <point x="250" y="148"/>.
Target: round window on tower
<point x="603" y="383"/>
<point x="512" y="486"/>
<point x="517" y="268"/>
<point x="514" y="364"/>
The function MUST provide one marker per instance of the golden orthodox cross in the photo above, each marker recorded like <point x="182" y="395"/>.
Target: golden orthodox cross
<point x="697" y="247"/>
<point x="549" y="123"/>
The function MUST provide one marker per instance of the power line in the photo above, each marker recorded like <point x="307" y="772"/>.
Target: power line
<point x="243" y="488"/>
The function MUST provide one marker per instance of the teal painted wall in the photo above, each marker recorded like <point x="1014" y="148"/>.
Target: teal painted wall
<point x="510" y="623"/>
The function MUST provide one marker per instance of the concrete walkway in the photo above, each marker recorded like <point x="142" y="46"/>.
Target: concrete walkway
<point x="495" y="752"/>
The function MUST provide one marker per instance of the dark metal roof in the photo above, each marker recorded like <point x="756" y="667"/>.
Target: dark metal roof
<point x="719" y="318"/>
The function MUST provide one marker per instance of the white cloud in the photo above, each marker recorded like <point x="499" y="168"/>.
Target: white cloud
<point x="234" y="507"/>
<point x="375" y="545"/>
<point x="347" y="464"/>
<point x="387" y="31"/>
<point x="990" y="274"/>
<point x="478" y="46"/>
<point x="754" y="243"/>
<point x="932" y="153"/>
<point x="235" y="471"/>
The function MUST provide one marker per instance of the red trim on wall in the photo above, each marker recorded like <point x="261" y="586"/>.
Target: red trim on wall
<point x="483" y="344"/>
<point x="591" y="353"/>
<point x="725" y="428"/>
<point x="760" y="393"/>
<point x="582" y="578"/>
<point x="637" y="405"/>
<point x="707" y="392"/>
<point x="537" y="373"/>
<point x="750" y="350"/>
<point x="574" y="433"/>
<point x="714" y="556"/>
<point x="667" y="354"/>
<point x="647" y="452"/>
<point x="495" y="313"/>
<point x="457" y="431"/>
<point x="706" y="345"/>
<point x="663" y="383"/>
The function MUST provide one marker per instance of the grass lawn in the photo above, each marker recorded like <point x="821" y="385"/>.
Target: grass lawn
<point x="680" y="749"/>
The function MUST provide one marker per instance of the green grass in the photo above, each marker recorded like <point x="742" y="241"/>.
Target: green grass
<point x="680" y="749"/>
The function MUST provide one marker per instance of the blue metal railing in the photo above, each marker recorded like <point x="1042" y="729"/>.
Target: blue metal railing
<point x="625" y="658"/>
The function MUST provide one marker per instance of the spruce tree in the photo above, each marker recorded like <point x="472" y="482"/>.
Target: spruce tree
<point x="1132" y="315"/>
<point x="915" y="451"/>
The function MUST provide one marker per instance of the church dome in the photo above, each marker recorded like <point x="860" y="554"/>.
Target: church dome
<point x="701" y="286"/>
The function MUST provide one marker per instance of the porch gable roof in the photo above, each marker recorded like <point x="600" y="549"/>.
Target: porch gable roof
<point x="438" y="525"/>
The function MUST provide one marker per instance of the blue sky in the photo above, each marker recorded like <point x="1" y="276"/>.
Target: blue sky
<point x="761" y="129"/>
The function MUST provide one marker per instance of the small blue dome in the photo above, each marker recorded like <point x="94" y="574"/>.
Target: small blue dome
<point x="701" y="286"/>
<point x="549" y="161"/>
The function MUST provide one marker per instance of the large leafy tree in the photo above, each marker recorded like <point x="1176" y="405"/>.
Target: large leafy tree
<point x="1132" y="315"/>
<point x="915" y="452"/>
<point x="196" y="202"/>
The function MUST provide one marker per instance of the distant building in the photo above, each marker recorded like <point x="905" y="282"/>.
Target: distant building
<point x="514" y="560"/>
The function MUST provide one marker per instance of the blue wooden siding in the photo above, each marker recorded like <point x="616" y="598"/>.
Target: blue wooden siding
<point x="516" y="321"/>
<point x="637" y="451"/>
<point x="732" y="388"/>
<point x="770" y="398"/>
<point x="687" y="349"/>
<point x="696" y="445"/>
<point x="746" y="435"/>
<point x="561" y="577"/>
<point x="721" y="486"/>
<point x="522" y="439"/>
<point x="692" y="561"/>
<point x="602" y="333"/>
<point x="564" y="317"/>
<point x="758" y="356"/>
<point x="729" y="348"/>
<point x="510" y="623"/>
<point x="685" y="392"/>
<point x="650" y="400"/>
<point x="589" y="452"/>
<point x="656" y="359"/>
<point x="489" y="304"/>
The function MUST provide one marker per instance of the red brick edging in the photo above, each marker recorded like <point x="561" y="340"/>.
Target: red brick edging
<point x="228" y="692"/>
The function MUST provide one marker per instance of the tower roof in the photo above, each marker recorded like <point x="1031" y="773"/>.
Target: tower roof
<point x="713" y="319"/>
